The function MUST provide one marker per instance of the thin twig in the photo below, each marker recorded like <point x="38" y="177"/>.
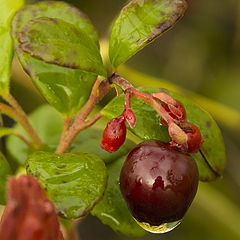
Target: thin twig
<point x="23" y="139"/>
<point x="24" y="119"/>
<point x="9" y="131"/>
<point x="66" y="126"/>
<point x="146" y="97"/>
<point x="99" y="90"/>
<point x="12" y="113"/>
<point x="72" y="234"/>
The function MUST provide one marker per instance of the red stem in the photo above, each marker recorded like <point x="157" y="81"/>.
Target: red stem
<point x="130" y="91"/>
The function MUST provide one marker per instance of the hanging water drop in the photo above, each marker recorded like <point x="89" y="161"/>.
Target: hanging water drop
<point x="163" y="228"/>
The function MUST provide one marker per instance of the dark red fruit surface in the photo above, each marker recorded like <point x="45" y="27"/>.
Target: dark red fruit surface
<point x="158" y="182"/>
<point x="114" y="134"/>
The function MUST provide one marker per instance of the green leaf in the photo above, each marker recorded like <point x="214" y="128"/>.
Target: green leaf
<point x="139" y="23"/>
<point x="7" y="10"/>
<point x="64" y="88"/>
<point x="5" y="171"/>
<point x="112" y="209"/>
<point x="75" y="182"/>
<point x="211" y="159"/>
<point x="48" y="123"/>
<point x="58" y="42"/>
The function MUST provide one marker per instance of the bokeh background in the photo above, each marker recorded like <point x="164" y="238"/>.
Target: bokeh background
<point x="201" y="54"/>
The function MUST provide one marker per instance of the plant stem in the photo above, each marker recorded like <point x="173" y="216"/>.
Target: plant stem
<point x="10" y="131"/>
<point x="66" y="126"/>
<point x="146" y="97"/>
<point x="12" y="113"/>
<point x="218" y="110"/>
<point x="72" y="234"/>
<point x="99" y="90"/>
<point x="22" y="118"/>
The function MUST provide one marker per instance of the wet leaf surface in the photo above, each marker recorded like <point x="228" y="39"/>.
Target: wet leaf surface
<point x="112" y="209"/>
<point x="139" y="23"/>
<point x="64" y="88"/>
<point x="75" y="182"/>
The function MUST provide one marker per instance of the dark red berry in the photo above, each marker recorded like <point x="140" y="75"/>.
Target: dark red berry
<point x="158" y="182"/>
<point x="176" y="111"/>
<point x="194" y="136"/>
<point x="114" y="134"/>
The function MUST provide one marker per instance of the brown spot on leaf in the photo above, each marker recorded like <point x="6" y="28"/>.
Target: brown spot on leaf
<point x="177" y="14"/>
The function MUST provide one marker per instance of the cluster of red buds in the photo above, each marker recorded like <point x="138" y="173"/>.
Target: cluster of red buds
<point x="29" y="214"/>
<point x="185" y="136"/>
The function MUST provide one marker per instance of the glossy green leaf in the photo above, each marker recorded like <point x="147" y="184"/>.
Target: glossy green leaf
<point x="7" y="10"/>
<point x="212" y="157"/>
<point x="64" y="88"/>
<point x="139" y="23"/>
<point x="112" y="209"/>
<point x="48" y="123"/>
<point x="75" y="182"/>
<point x="5" y="171"/>
<point x="58" y="42"/>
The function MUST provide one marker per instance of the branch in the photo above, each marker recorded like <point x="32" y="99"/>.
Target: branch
<point x="99" y="90"/>
<point x="12" y="113"/>
<point x="22" y="118"/>
<point x="10" y="131"/>
<point x="218" y="110"/>
<point x="146" y="97"/>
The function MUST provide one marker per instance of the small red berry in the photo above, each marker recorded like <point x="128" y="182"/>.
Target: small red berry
<point x="114" y="134"/>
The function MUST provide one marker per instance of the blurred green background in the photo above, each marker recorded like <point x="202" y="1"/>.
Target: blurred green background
<point x="201" y="54"/>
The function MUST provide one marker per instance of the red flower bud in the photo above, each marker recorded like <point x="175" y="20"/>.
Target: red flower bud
<point x="114" y="134"/>
<point x="130" y="117"/>
<point x="195" y="140"/>
<point x="177" y="112"/>
<point x="29" y="215"/>
<point x="174" y="108"/>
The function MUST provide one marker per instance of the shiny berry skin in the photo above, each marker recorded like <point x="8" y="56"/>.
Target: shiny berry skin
<point x="158" y="182"/>
<point x="177" y="112"/>
<point x="114" y="134"/>
<point x="194" y="136"/>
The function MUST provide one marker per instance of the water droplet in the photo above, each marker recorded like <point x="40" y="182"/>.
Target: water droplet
<point x="163" y="228"/>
